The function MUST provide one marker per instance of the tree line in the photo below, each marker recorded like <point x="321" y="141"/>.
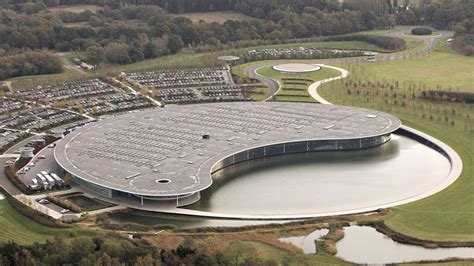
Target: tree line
<point x="110" y="37"/>
<point x="385" y="42"/>
<point x="115" y="250"/>
<point x="29" y="63"/>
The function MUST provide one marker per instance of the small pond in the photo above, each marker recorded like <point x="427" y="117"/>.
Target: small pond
<point x="362" y="244"/>
<point x="306" y="243"/>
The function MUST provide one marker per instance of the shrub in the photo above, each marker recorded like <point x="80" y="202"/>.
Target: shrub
<point x="65" y="204"/>
<point x="421" y="31"/>
<point x="464" y="44"/>
<point x="11" y="175"/>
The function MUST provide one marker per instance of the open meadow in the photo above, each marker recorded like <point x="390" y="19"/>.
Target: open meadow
<point x="218" y="17"/>
<point x="76" y="8"/>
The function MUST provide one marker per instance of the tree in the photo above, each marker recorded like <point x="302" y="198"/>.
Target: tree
<point x="95" y="21"/>
<point x="95" y="55"/>
<point x="117" y="53"/>
<point x="135" y="54"/>
<point x="174" y="44"/>
<point x="150" y="50"/>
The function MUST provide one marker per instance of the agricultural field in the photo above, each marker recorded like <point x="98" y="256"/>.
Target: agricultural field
<point x="396" y="87"/>
<point x="218" y="17"/>
<point x="76" y="8"/>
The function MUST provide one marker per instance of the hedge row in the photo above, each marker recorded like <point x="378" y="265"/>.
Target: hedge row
<point x="421" y="31"/>
<point x="66" y="204"/>
<point x="9" y="172"/>
<point x="135" y="227"/>
<point x="385" y="42"/>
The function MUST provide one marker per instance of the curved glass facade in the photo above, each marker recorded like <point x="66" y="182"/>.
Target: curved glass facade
<point x="301" y="146"/>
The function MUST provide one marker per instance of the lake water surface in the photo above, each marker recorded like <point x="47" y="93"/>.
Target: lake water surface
<point x="322" y="182"/>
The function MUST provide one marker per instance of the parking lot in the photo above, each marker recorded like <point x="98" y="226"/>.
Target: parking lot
<point x="188" y="86"/>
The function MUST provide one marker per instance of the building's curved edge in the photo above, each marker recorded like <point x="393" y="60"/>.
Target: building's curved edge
<point x="453" y="157"/>
<point x="206" y="168"/>
<point x="446" y="150"/>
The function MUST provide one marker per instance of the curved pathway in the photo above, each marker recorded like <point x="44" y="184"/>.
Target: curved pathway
<point x="274" y="86"/>
<point x="313" y="88"/>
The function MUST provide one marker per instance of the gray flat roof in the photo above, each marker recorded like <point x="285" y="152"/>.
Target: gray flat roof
<point x="130" y="152"/>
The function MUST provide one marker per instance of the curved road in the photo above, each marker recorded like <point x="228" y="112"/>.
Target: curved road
<point x="275" y="86"/>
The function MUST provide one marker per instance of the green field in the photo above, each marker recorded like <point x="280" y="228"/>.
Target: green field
<point x="443" y="68"/>
<point x="259" y="94"/>
<point x="297" y="93"/>
<point x="448" y="215"/>
<point x="267" y="252"/>
<point x="76" y="8"/>
<point x="76" y="24"/>
<point x="218" y="17"/>
<point x="22" y="230"/>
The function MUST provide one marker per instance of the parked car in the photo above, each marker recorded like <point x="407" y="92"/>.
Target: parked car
<point x="42" y="156"/>
<point x="43" y="201"/>
<point x="63" y="211"/>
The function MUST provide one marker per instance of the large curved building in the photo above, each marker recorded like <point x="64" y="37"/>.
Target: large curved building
<point x="170" y="153"/>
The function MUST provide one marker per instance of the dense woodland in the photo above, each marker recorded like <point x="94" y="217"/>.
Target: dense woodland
<point x="128" y="31"/>
<point x="115" y="250"/>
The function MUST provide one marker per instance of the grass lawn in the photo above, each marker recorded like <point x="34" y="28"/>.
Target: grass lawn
<point x="219" y="17"/>
<point x="34" y="81"/>
<point x="18" y="228"/>
<point x="259" y="94"/>
<point x="448" y="215"/>
<point x="442" y="68"/>
<point x="299" y="92"/>
<point x="76" y="8"/>
<point x="268" y="252"/>
<point x="75" y="24"/>
<point x="89" y="204"/>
